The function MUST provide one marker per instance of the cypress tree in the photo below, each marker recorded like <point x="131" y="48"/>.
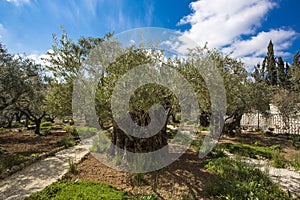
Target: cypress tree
<point x="281" y="73"/>
<point x="271" y="65"/>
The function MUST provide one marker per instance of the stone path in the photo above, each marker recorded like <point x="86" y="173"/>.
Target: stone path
<point x="286" y="179"/>
<point x="40" y="174"/>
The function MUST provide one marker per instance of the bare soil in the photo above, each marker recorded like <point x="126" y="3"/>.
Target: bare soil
<point x="17" y="141"/>
<point x="288" y="145"/>
<point x="184" y="179"/>
<point x="20" y="145"/>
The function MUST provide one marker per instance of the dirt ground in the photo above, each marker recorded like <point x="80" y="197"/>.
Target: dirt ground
<point x="20" y="145"/>
<point x="288" y="145"/>
<point x="184" y="179"/>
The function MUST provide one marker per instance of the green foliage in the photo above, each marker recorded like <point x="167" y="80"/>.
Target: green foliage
<point x="78" y="191"/>
<point x="72" y="130"/>
<point x="138" y="179"/>
<point x="237" y="181"/>
<point x="72" y="167"/>
<point x="85" y="132"/>
<point x="144" y="197"/>
<point x="2" y="150"/>
<point x="100" y="143"/>
<point x="67" y="141"/>
<point x="295" y="160"/>
<point x="276" y="147"/>
<point x="46" y="128"/>
<point x="8" y="162"/>
<point x="278" y="160"/>
<point x="251" y="151"/>
<point x="46" y="124"/>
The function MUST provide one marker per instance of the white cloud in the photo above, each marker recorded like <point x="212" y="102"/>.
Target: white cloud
<point x="253" y="50"/>
<point x="257" y="45"/>
<point x="224" y="23"/>
<point x="38" y="58"/>
<point x="18" y="2"/>
<point x="220" y="22"/>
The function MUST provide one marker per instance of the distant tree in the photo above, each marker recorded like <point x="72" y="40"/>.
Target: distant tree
<point x="281" y="73"/>
<point x="259" y="73"/>
<point x="31" y="103"/>
<point x="65" y="60"/>
<point x="270" y="64"/>
<point x="294" y="73"/>
<point x="13" y="78"/>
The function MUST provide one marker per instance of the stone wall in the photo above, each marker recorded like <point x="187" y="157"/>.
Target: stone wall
<point x="274" y="122"/>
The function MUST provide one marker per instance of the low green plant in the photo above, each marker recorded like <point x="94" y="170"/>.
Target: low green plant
<point x="118" y="159"/>
<point x="8" y="162"/>
<point x="138" y="179"/>
<point x="278" y="160"/>
<point x="72" y="167"/>
<point x="67" y="141"/>
<point x="276" y="147"/>
<point x="71" y="130"/>
<point x="85" y="132"/>
<point x="204" y="129"/>
<point x="295" y="160"/>
<point x="257" y="143"/>
<point x="46" y="124"/>
<point x="78" y="191"/>
<point x="251" y="151"/>
<point x="237" y="181"/>
<point x="144" y="197"/>
<point x="2" y="149"/>
<point x="46" y="130"/>
<point x="100" y="143"/>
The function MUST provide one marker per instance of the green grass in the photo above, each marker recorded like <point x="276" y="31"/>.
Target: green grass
<point x="252" y="151"/>
<point x="100" y="143"/>
<point x="67" y="141"/>
<point x="255" y="151"/>
<point x="71" y="130"/>
<point x="237" y="181"/>
<point x="2" y="149"/>
<point x="78" y="191"/>
<point x="7" y="163"/>
<point x="295" y="160"/>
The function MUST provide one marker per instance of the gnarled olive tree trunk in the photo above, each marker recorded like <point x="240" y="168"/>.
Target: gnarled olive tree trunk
<point x="127" y="142"/>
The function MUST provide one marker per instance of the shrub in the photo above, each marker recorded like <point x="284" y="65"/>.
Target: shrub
<point x="295" y="160"/>
<point x="85" y="132"/>
<point x="46" y="124"/>
<point x="77" y="191"/>
<point x="237" y="181"/>
<point x="2" y="149"/>
<point x="46" y="128"/>
<point x="138" y="179"/>
<point x="278" y="160"/>
<point x="67" y="141"/>
<point x="72" y="167"/>
<point x="100" y="143"/>
<point x="8" y="162"/>
<point x="248" y="150"/>
<point x="71" y="130"/>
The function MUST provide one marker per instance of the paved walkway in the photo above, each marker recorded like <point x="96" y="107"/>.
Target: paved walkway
<point x="40" y="174"/>
<point x="286" y="179"/>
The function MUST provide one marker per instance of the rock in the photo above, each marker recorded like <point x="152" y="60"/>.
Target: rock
<point x="22" y="165"/>
<point x="15" y="168"/>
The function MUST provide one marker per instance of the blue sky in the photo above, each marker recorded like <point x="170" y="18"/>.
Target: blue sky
<point x="243" y="27"/>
